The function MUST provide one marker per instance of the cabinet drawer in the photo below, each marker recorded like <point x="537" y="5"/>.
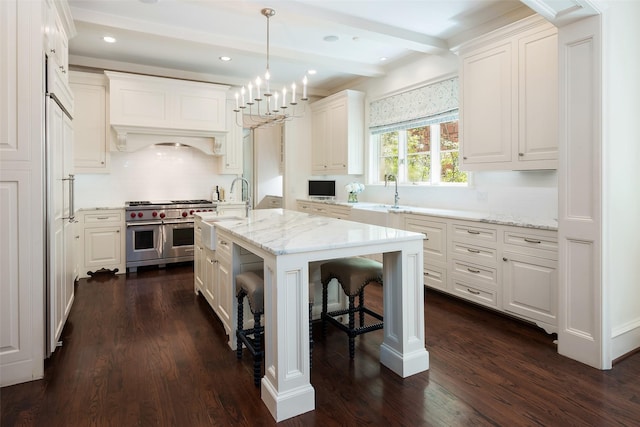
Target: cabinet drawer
<point x="223" y="249"/>
<point x="471" y="232"/>
<point x="435" y="244"/>
<point x="488" y="297"/>
<point x="475" y="271"/>
<point x="479" y="254"/>
<point x="93" y="218"/>
<point x="435" y="277"/>
<point x="531" y="240"/>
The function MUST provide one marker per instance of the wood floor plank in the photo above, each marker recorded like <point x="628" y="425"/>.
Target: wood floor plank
<point x="143" y="350"/>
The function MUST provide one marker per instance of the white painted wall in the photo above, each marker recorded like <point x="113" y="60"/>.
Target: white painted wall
<point x="152" y="173"/>
<point x="621" y="159"/>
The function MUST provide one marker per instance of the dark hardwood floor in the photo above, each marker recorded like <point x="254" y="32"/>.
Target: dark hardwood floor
<point x="143" y="350"/>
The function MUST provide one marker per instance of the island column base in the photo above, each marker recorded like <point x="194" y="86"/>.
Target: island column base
<point x="287" y="405"/>
<point x="406" y="364"/>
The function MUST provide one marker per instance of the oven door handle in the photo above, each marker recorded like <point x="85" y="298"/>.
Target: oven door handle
<point x="132" y="224"/>
<point x="187" y="223"/>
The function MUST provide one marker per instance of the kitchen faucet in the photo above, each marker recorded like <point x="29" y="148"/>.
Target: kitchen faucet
<point x="396" y="198"/>
<point x="248" y="201"/>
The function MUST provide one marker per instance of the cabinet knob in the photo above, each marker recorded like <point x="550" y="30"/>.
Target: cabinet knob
<point x="504" y="258"/>
<point x="52" y="51"/>
<point x="521" y="154"/>
<point x="117" y="231"/>
<point x="464" y="157"/>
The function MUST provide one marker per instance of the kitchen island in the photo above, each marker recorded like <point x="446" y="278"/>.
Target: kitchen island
<point x="288" y="241"/>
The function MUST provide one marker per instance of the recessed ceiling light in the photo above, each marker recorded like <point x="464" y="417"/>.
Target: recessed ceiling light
<point x="225" y="58"/>
<point x="311" y="72"/>
<point x="383" y="58"/>
<point x="331" y="38"/>
<point x="109" y="39"/>
<point x="149" y="1"/>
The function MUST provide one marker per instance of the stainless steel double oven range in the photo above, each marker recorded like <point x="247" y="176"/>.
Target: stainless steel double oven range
<point x="159" y="233"/>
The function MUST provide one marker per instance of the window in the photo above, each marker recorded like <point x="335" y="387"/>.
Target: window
<point x="420" y="155"/>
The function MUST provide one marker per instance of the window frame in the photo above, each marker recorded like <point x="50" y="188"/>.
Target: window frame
<point x="435" y="170"/>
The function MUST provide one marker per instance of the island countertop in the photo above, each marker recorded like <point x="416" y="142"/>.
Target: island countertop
<point x="281" y="231"/>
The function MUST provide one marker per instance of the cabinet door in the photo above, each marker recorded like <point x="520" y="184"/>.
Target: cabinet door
<point x="102" y="247"/>
<point x="530" y="287"/>
<point x="231" y="160"/>
<point x="488" y="100"/>
<point x="538" y="97"/>
<point x="198" y="267"/>
<point x="225" y="287"/>
<point x="210" y="278"/>
<point x="338" y="142"/>
<point x="90" y="125"/>
<point x="320" y="136"/>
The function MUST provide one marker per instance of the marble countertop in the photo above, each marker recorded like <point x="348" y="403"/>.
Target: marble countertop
<point x="280" y="231"/>
<point x="492" y="218"/>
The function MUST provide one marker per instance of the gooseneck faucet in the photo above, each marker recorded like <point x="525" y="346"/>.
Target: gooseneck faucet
<point x="248" y="201"/>
<point x="396" y="198"/>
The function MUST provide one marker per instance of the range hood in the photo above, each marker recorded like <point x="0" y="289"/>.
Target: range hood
<point x="134" y="138"/>
<point x="147" y="110"/>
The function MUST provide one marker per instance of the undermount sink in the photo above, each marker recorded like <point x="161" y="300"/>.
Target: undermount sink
<point x="209" y="230"/>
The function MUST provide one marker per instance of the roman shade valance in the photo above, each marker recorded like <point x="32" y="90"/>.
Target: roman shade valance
<point x="430" y="104"/>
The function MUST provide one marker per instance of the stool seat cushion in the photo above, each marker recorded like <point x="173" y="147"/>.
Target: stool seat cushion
<point x="353" y="273"/>
<point x="252" y="283"/>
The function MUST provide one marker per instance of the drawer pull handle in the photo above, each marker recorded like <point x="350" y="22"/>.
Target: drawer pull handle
<point x="103" y="217"/>
<point x="473" y="270"/>
<point x="473" y="232"/>
<point x="473" y="251"/>
<point x="532" y="240"/>
<point x="223" y="243"/>
<point x="471" y="291"/>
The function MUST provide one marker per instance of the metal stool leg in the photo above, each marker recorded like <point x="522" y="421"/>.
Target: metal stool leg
<point x="257" y="344"/>
<point x="352" y="326"/>
<point x="240" y="326"/>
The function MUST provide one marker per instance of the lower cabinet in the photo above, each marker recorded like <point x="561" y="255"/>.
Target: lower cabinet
<point x="505" y="268"/>
<point x="102" y="241"/>
<point x="324" y="209"/>
<point x="530" y="277"/>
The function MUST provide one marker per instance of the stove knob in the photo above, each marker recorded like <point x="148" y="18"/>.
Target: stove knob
<point x="184" y="214"/>
<point x="140" y="214"/>
<point x="155" y="214"/>
<point x="162" y="215"/>
<point x="191" y="212"/>
<point x="133" y="214"/>
<point x="198" y="210"/>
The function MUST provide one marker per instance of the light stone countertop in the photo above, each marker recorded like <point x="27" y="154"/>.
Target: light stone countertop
<point x="491" y="218"/>
<point x="281" y="231"/>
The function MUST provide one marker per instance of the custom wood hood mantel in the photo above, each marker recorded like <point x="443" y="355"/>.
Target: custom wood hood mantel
<point x="146" y="110"/>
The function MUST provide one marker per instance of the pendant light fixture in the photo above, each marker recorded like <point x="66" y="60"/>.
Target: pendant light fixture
<point x="260" y="104"/>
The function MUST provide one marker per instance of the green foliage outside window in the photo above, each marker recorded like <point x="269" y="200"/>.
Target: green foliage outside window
<point x="414" y="146"/>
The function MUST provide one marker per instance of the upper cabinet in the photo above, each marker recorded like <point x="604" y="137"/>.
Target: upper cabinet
<point x="338" y="134"/>
<point x="58" y="29"/>
<point x="145" y="105"/>
<point x="231" y="159"/>
<point x="509" y="98"/>
<point x="91" y="130"/>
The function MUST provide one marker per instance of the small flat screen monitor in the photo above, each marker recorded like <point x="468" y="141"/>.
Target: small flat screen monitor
<point x="322" y="188"/>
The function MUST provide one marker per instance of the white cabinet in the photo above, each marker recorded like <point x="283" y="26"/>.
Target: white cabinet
<point x="338" y="134"/>
<point x="473" y="263"/>
<point x="434" y="248"/>
<point x="102" y="241"/>
<point x="58" y="29"/>
<point x="198" y="257"/>
<point x="91" y="143"/>
<point x="530" y="277"/>
<point x="324" y="209"/>
<point x="509" y="98"/>
<point x="231" y="159"/>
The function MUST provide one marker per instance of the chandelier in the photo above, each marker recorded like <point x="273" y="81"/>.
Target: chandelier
<point x="261" y="105"/>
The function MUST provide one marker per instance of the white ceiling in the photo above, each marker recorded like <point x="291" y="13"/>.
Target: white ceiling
<point x="190" y="35"/>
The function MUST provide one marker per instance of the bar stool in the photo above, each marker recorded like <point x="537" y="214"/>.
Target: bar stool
<point x="251" y="285"/>
<point x="353" y="274"/>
